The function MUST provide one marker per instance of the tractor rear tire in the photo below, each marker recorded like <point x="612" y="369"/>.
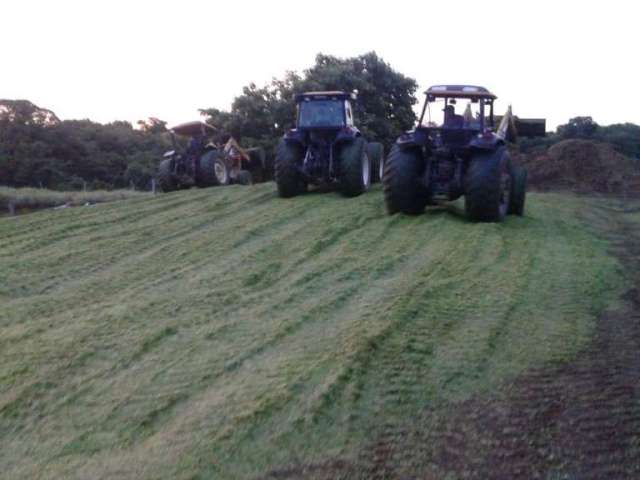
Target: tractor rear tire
<point x="206" y="171"/>
<point x="355" y="168"/>
<point x="403" y="189"/>
<point x="288" y="177"/>
<point x="244" y="177"/>
<point x="221" y="171"/>
<point x="488" y="186"/>
<point x="518" y="190"/>
<point x="165" y="177"/>
<point x="375" y="151"/>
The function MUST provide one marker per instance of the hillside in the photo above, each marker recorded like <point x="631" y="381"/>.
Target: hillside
<point x="227" y="333"/>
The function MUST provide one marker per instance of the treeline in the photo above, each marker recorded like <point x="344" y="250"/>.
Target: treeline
<point x="37" y="149"/>
<point x="624" y="137"/>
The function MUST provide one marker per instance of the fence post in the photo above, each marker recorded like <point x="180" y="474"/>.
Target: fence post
<point x="153" y="186"/>
<point x="12" y="209"/>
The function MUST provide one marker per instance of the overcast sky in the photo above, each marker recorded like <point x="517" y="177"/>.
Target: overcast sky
<point x="125" y="59"/>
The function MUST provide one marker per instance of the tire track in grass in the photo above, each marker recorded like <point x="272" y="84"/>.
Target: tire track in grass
<point x="399" y="448"/>
<point x="290" y="336"/>
<point x="290" y="329"/>
<point x="272" y="348"/>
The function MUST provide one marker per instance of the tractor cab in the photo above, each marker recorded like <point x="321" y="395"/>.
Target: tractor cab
<point x="324" y="110"/>
<point x="454" y="115"/>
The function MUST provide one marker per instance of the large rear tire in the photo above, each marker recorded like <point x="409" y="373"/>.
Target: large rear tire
<point x="488" y="186"/>
<point x="375" y="151"/>
<point x="165" y="176"/>
<point x="287" y="170"/>
<point x="518" y="190"/>
<point x="206" y="171"/>
<point x="355" y="168"/>
<point x="404" y="191"/>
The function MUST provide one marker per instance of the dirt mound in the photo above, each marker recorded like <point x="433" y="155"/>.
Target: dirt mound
<point x="583" y="166"/>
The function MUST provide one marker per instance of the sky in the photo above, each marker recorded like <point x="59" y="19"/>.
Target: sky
<point x="130" y="60"/>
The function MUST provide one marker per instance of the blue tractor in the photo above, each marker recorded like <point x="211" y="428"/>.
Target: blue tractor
<point x="461" y="153"/>
<point x="325" y="148"/>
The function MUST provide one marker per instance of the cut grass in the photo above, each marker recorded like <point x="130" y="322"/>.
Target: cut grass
<point x="224" y="332"/>
<point x="28" y="199"/>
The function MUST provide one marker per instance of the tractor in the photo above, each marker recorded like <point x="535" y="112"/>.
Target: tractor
<point x="206" y="162"/>
<point x="325" y="148"/>
<point x="463" y="154"/>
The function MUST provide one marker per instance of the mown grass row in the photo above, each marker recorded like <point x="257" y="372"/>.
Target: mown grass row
<point x="226" y="332"/>
<point x="17" y="200"/>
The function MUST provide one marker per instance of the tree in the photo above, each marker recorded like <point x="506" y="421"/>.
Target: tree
<point x="383" y="111"/>
<point x="578" y="127"/>
<point x="386" y="97"/>
<point x="37" y="149"/>
<point x="152" y="125"/>
<point x="23" y="112"/>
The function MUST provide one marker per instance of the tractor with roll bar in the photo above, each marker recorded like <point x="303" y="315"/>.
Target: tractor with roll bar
<point x="209" y="158"/>
<point x="462" y="153"/>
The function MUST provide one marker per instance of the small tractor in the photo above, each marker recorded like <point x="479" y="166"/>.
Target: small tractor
<point x="463" y="155"/>
<point x="325" y="148"/>
<point x="206" y="163"/>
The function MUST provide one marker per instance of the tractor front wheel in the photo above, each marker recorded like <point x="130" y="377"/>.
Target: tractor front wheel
<point x="355" y="168"/>
<point x="488" y="186"/>
<point x="287" y="170"/>
<point x="403" y="181"/>
<point x="518" y="190"/>
<point x="165" y="177"/>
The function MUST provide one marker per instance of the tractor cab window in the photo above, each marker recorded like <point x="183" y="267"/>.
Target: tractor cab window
<point x="454" y="113"/>
<point x="321" y="113"/>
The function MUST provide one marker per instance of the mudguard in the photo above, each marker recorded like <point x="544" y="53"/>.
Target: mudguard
<point x="413" y="138"/>
<point x="294" y="135"/>
<point x="346" y="135"/>
<point x="486" y="141"/>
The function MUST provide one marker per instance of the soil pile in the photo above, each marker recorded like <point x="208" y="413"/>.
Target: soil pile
<point x="583" y="166"/>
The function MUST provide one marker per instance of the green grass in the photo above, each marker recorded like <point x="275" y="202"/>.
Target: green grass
<point x="28" y="199"/>
<point x="223" y="332"/>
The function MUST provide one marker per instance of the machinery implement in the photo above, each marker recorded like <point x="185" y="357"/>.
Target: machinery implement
<point x="463" y="154"/>
<point x="326" y="148"/>
<point x="205" y="162"/>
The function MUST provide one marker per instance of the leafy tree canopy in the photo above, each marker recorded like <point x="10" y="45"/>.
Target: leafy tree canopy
<point x="383" y="111"/>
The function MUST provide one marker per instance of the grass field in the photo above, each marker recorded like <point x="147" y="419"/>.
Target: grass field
<point x="226" y="333"/>
<point x="29" y="199"/>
